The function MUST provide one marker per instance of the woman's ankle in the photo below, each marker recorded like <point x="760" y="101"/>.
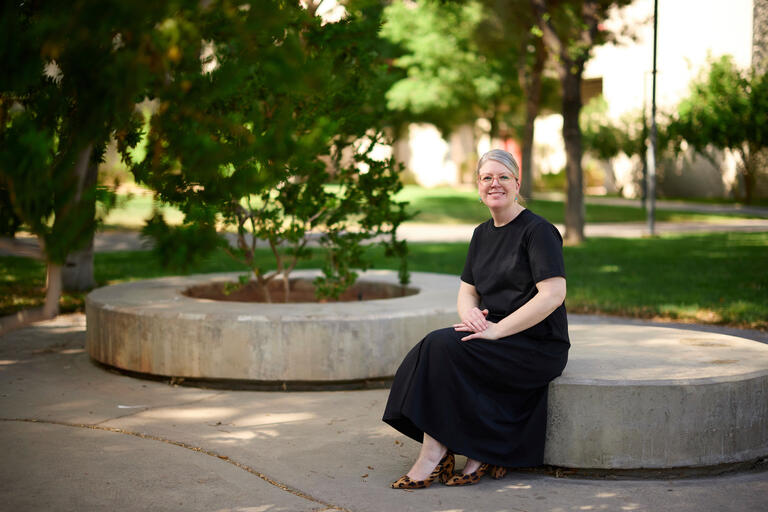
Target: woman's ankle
<point x="471" y="466"/>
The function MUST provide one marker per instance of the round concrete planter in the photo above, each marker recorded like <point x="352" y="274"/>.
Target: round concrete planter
<point x="151" y="327"/>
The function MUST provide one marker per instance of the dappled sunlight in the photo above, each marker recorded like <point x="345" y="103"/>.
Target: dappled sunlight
<point x="600" y="501"/>
<point x="515" y="487"/>
<point x="191" y="414"/>
<point x="224" y="437"/>
<point x="71" y="351"/>
<point x="237" y="436"/>
<point x="612" y="508"/>
<point x="260" y="508"/>
<point x="76" y="405"/>
<point x="274" y="418"/>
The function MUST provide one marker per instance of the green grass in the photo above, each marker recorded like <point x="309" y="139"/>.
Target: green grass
<point x="445" y="205"/>
<point x="710" y="278"/>
<point x="133" y="210"/>
<point x="442" y="205"/>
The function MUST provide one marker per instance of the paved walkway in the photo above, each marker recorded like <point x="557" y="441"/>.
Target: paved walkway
<point x="76" y="437"/>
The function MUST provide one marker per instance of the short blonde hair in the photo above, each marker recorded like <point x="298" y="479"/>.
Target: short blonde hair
<point x="503" y="157"/>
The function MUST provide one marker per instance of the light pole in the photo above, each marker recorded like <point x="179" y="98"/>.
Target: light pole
<point x="652" y="150"/>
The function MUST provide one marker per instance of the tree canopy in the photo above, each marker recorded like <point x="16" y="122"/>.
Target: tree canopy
<point x="276" y="140"/>
<point x="261" y="107"/>
<point x="449" y="79"/>
<point x="73" y="74"/>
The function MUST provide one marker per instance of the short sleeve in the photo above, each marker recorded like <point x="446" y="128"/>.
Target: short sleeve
<point x="545" y="252"/>
<point x="466" y="274"/>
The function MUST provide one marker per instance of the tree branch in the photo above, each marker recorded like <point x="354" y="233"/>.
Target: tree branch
<point x="549" y="35"/>
<point x="587" y="37"/>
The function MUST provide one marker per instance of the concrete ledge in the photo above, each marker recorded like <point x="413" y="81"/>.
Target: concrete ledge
<point x="633" y="396"/>
<point x="150" y="327"/>
<point x="640" y="396"/>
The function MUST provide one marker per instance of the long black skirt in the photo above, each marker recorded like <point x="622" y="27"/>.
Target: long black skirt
<point x="486" y="399"/>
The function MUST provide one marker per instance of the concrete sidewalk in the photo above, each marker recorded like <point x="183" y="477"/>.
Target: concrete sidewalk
<point x="77" y="437"/>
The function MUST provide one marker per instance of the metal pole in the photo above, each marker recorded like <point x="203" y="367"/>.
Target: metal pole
<point x="652" y="152"/>
<point x="645" y="134"/>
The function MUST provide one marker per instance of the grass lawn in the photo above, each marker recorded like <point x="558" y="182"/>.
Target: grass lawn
<point x="442" y="205"/>
<point x="448" y="205"/>
<point x="717" y="278"/>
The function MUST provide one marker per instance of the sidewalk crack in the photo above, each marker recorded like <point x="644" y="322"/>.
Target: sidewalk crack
<point x="285" y="487"/>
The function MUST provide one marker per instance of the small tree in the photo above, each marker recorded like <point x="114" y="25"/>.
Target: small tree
<point x="727" y="108"/>
<point x="275" y="140"/>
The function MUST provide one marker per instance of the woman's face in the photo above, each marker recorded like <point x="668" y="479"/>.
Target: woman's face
<point x="497" y="186"/>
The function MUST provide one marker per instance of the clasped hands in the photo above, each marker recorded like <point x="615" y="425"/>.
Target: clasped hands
<point x="475" y="321"/>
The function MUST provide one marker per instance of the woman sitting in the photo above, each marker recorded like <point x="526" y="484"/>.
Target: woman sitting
<point x="479" y="388"/>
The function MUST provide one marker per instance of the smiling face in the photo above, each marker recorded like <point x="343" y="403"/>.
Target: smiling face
<point x="497" y="186"/>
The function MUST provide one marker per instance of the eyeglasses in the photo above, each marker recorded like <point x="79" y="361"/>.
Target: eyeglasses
<point x="502" y="179"/>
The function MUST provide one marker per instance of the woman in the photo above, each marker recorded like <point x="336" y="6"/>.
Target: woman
<point x="479" y="388"/>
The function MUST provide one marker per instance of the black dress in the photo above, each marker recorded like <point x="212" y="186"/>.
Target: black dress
<point x="487" y="399"/>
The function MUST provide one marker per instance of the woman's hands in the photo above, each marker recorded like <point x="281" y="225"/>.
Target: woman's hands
<point x="490" y="332"/>
<point x="551" y="293"/>
<point x="475" y="321"/>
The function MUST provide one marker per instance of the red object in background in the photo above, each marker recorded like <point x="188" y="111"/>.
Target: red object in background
<point x="512" y="146"/>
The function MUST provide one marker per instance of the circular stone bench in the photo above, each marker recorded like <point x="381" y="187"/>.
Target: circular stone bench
<point x="632" y="396"/>
<point x="151" y="327"/>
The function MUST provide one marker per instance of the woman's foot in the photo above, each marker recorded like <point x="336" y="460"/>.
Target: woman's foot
<point x="435" y="461"/>
<point x="471" y="466"/>
<point x="465" y="478"/>
<point x="425" y="464"/>
<point x="442" y="470"/>
<point x="473" y="471"/>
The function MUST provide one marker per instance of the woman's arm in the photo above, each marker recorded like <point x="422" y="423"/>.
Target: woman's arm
<point x="466" y="304"/>
<point x="551" y="293"/>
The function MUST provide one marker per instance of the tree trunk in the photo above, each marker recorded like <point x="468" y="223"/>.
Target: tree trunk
<point x="574" y="204"/>
<point x="77" y="273"/>
<point x="49" y="310"/>
<point x="494" y="131"/>
<point x="760" y="36"/>
<point x="750" y="159"/>
<point x="532" y="103"/>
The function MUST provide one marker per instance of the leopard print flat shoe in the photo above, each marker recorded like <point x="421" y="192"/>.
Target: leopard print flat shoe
<point x="443" y="471"/>
<point x="495" y="472"/>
